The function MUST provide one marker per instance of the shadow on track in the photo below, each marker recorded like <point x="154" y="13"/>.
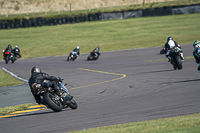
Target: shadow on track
<point x="184" y="81"/>
<point x="157" y="71"/>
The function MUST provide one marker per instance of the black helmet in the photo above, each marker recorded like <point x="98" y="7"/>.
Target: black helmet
<point x="9" y="46"/>
<point x="169" y="38"/>
<point x="35" y="69"/>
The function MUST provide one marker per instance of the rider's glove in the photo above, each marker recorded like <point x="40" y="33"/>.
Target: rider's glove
<point x="59" y="79"/>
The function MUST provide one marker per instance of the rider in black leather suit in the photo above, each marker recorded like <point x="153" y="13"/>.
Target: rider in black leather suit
<point x="37" y="77"/>
<point x="8" y="49"/>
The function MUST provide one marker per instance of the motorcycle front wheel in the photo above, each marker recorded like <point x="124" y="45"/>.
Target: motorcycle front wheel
<point x="73" y="104"/>
<point x="12" y="59"/>
<point x="89" y="57"/>
<point x="52" y="102"/>
<point x="178" y="62"/>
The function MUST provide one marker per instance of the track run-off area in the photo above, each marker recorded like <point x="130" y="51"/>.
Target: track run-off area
<point x="121" y="87"/>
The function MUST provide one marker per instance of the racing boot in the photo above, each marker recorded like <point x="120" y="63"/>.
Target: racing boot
<point x="170" y="59"/>
<point x="182" y="57"/>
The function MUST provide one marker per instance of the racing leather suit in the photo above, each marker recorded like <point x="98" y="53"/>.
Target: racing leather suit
<point x="96" y="52"/>
<point x="196" y="54"/>
<point x="8" y="49"/>
<point x="16" y="52"/>
<point x="77" y="51"/>
<point x="38" y="78"/>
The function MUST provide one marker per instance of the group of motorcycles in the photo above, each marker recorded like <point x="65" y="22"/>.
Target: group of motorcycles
<point x="51" y="99"/>
<point x="94" y="55"/>
<point x="11" y="55"/>
<point x="59" y="102"/>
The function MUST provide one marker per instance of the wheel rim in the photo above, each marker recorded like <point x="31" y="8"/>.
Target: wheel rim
<point x="55" y="100"/>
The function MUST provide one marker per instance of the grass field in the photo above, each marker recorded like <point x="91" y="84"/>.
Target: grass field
<point x="109" y="35"/>
<point x="7" y="80"/>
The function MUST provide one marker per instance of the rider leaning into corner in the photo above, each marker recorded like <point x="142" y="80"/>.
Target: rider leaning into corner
<point x="196" y="53"/>
<point x="77" y="50"/>
<point x="16" y="52"/>
<point x="97" y="51"/>
<point x="170" y="44"/>
<point x="38" y="77"/>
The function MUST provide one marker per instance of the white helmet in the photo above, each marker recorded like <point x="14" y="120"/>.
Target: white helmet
<point x="77" y="47"/>
<point x="16" y="46"/>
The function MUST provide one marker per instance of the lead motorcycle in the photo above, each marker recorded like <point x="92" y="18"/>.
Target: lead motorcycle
<point x="72" y="56"/>
<point x="8" y="56"/>
<point x="176" y="57"/>
<point x="52" y="100"/>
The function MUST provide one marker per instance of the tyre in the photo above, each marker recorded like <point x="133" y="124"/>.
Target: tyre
<point x="12" y="60"/>
<point x="73" y="104"/>
<point x="162" y="51"/>
<point x="52" y="102"/>
<point x="6" y="59"/>
<point x="89" y="57"/>
<point x="178" y="62"/>
<point x="68" y="58"/>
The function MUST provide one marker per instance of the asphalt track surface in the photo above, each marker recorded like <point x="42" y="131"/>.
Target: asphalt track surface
<point x="134" y="89"/>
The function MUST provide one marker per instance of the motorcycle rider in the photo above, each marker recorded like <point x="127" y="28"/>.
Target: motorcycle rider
<point x="96" y="51"/>
<point x="196" y="53"/>
<point x="77" y="50"/>
<point x="16" y="52"/>
<point x="38" y="77"/>
<point x="8" y="49"/>
<point x="170" y="44"/>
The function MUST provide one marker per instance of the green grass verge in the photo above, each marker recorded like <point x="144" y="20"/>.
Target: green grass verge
<point x="109" y="35"/>
<point x="11" y="109"/>
<point x="7" y="80"/>
<point x="180" y="124"/>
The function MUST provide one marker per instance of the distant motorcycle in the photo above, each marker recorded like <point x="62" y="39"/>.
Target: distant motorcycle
<point x="94" y="55"/>
<point x="72" y="56"/>
<point x="52" y="100"/>
<point x="9" y="56"/>
<point x="176" y="57"/>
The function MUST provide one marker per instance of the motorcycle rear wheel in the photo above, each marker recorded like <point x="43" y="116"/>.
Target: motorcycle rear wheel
<point x="7" y="59"/>
<point x="55" y="105"/>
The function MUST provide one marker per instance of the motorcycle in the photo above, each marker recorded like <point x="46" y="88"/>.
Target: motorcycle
<point x="52" y="100"/>
<point x="9" y="56"/>
<point x="72" y="56"/>
<point x="94" y="55"/>
<point x="176" y="57"/>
